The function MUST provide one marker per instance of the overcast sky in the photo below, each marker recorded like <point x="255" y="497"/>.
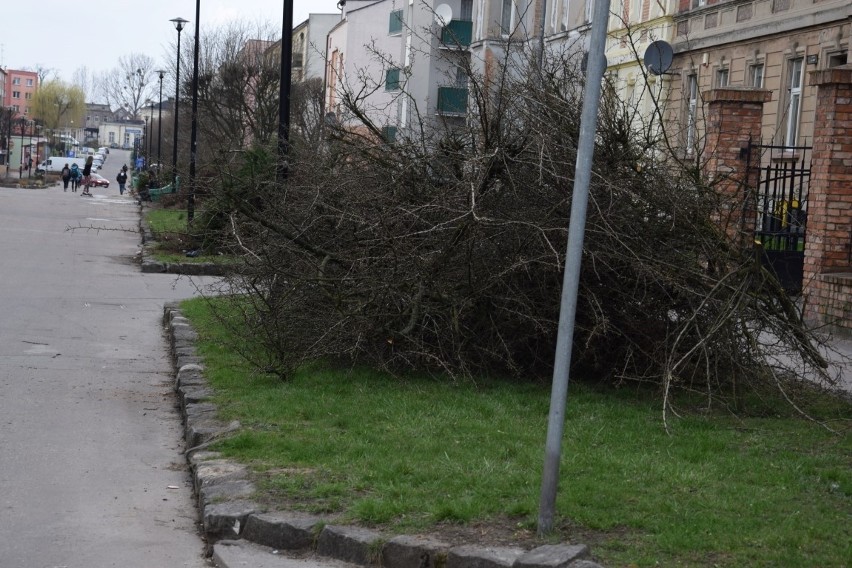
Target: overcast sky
<point x="65" y="36"/>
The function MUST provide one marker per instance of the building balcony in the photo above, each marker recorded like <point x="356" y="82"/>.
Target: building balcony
<point x="452" y="100"/>
<point x="457" y="34"/>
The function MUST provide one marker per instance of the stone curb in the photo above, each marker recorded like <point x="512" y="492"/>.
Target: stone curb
<point x="151" y="266"/>
<point x="224" y="496"/>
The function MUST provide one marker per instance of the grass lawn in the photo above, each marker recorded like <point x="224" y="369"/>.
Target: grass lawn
<point x="169" y="227"/>
<point x="162" y="221"/>
<point x="419" y="456"/>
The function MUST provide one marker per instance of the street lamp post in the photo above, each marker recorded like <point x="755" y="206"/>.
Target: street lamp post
<point x="161" y="73"/>
<point x="38" y="140"/>
<point x="179" y="25"/>
<point x="145" y="141"/>
<point x="284" y="91"/>
<point x="151" y="139"/>
<point x="22" y="122"/>
<point x="193" y="140"/>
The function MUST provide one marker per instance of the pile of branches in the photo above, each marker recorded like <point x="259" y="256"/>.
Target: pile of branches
<point x="444" y="250"/>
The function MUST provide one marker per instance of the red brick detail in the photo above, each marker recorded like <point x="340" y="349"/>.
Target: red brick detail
<point x="734" y="117"/>
<point x="827" y="287"/>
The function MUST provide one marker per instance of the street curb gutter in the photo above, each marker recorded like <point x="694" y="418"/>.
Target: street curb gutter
<point x="224" y="496"/>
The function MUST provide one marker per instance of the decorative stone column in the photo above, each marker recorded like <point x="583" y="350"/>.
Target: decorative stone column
<point x="827" y="286"/>
<point x="734" y="116"/>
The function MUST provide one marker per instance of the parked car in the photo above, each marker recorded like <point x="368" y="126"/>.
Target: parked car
<point x="97" y="164"/>
<point x="97" y="180"/>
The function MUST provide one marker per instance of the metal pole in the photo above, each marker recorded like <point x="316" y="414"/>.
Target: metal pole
<point x="542" y="24"/>
<point x="21" y="150"/>
<point x="179" y="22"/>
<point x="193" y="140"/>
<point x="284" y="91"/>
<point x="160" y="124"/>
<point x="151" y="138"/>
<point x="571" y="277"/>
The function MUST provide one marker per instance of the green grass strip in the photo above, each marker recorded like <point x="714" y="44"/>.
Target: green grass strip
<point x="408" y="455"/>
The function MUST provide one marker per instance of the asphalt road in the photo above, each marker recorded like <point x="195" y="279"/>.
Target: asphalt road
<point x="91" y="471"/>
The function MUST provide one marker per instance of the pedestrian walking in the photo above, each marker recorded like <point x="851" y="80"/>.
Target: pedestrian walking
<point x="66" y="177"/>
<point x="76" y="176"/>
<point x="121" y="178"/>
<point x="87" y="176"/>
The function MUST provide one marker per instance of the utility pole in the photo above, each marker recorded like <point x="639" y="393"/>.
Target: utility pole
<point x="573" y="258"/>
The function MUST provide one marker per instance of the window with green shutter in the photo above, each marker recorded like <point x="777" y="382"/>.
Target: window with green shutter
<point x="389" y="134"/>
<point x="395" y="25"/>
<point x="392" y="79"/>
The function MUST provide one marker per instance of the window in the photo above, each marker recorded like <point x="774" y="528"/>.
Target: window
<point x="392" y="79"/>
<point x="794" y="102"/>
<point x="395" y="25"/>
<point x="389" y="134"/>
<point x="466" y="12"/>
<point x="16" y="81"/>
<point x="837" y="59"/>
<point x="755" y="73"/>
<point x="691" y="108"/>
<point x="635" y="11"/>
<point x="698" y="3"/>
<point x="29" y="82"/>
<point x="112" y="137"/>
<point x="722" y="77"/>
<point x="461" y="77"/>
<point x="16" y="94"/>
<point x="506" y="18"/>
<point x="28" y="96"/>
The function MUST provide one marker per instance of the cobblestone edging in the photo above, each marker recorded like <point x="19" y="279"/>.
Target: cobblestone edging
<point x="149" y="265"/>
<point x="227" y="511"/>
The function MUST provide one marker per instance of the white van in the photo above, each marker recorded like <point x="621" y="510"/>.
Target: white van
<point x="55" y="164"/>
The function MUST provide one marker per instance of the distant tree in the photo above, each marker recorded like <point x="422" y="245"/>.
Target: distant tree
<point x="84" y="79"/>
<point x="239" y="83"/>
<point x="44" y="73"/>
<point x="130" y="84"/>
<point x="56" y="104"/>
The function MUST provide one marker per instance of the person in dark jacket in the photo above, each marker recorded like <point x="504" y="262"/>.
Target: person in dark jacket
<point x="66" y="177"/>
<point x="87" y="176"/>
<point x="121" y="178"/>
<point x="76" y="176"/>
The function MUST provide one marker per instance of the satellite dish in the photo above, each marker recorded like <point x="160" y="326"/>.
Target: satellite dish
<point x="443" y="14"/>
<point x="658" y="57"/>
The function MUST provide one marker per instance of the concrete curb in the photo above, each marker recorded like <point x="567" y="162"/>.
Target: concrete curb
<point x="224" y="496"/>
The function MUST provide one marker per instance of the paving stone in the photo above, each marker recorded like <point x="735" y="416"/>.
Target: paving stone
<point x="421" y="552"/>
<point x="152" y="267"/>
<point x="242" y="554"/>
<point x="350" y="544"/>
<point x="212" y="472"/>
<point x="235" y="490"/>
<point x="482" y="556"/>
<point x="195" y="394"/>
<point x="284" y="531"/>
<point x="227" y="519"/>
<point x="552" y="556"/>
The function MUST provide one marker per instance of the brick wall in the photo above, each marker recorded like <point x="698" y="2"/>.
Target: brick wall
<point x="734" y="115"/>
<point x="828" y="252"/>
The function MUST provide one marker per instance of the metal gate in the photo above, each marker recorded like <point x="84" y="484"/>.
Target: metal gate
<point x="782" y="174"/>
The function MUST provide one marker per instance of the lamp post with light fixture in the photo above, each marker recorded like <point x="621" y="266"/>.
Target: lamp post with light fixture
<point x="193" y="139"/>
<point x="179" y="25"/>
<point x="161" y="73"/>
